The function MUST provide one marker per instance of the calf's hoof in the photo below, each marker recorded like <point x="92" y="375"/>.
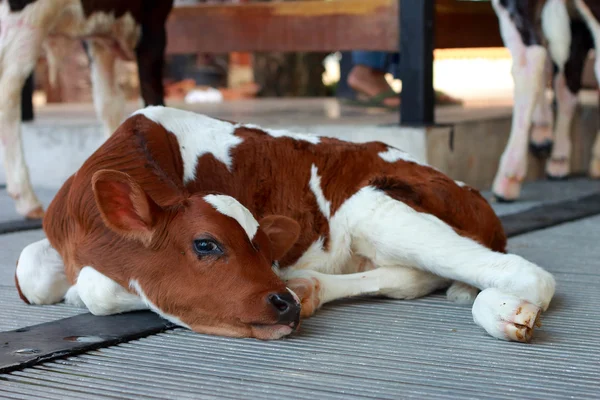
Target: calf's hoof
<point x="507" y="189"/>
<point x="307" y="289"/>
<point x="35" y="214"/>
<point x="558" y="168"/>
<point x="461" y="293"/>
<point x="505" y="316"/>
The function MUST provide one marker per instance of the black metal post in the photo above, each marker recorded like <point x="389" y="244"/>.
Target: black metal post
<point x="343" y="90"/>
<point x="27" y="100"/>
<point x="416" y="62"/>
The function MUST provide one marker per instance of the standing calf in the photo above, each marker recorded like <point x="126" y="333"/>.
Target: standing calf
<point x="190" y="216"/>
<point x="571" y="28"/>
<point x="125" y="29"/>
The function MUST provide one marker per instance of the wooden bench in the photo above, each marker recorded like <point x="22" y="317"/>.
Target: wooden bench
<point x="317" y="25"/>
<point x="413" y="27"/>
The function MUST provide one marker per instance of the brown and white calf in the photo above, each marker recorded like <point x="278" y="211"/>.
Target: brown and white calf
<point x="571" y="28"/>
<point x="218" y="226"/>
<point x="126" y="29"/>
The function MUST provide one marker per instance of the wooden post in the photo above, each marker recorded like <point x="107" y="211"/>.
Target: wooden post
<point x="416" y="62"/>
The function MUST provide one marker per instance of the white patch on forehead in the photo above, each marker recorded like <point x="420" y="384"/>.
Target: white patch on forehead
<point x="315" y="187"/>
<point x="196" y="134"/>
<point x="392" y="155"/>
<point x="135" y="285"/>
<point x="314" y="139"/>
<point x="461" y="184"/>
<point x="229" y="206"/>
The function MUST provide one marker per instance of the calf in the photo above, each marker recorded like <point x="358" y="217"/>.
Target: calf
<point x="218" y="226"/>
<point x="130" y="30"/>
<point x="571" y="28"/>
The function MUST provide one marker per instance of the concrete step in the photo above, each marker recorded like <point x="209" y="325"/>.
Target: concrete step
<point x="466" y="143"/>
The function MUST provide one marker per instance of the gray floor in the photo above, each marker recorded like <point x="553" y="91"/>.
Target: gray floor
<point x="7" y="205"/>
<point x="546" y="192"/>
<point x="364" y="348"/>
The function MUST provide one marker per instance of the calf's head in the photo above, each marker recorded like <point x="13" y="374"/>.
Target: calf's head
<point x="204" y="263"/>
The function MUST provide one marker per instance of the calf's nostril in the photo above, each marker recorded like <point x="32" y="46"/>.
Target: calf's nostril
<point x="280" y="304"/>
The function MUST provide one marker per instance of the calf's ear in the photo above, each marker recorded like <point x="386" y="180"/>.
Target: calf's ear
<point x="283" y="232"/>
<point x="124" y="206"/>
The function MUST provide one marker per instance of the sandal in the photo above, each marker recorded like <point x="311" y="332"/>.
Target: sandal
<point x="378" y="101"/>
<point x="442" y="99"/>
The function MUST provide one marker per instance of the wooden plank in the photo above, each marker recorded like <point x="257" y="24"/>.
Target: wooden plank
<point x="466" y="24"/>
<point x="284" y="26"/>
<point x="317" y="25"/>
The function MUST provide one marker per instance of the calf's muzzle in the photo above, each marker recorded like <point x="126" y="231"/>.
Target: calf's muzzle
<point x="287" y="308"/>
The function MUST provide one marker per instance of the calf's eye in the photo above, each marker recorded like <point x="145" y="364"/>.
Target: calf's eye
<point x="206" y="247"/>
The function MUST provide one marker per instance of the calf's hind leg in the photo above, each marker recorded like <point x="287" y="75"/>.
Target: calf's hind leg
<point x="514" y="291"/>
<point x="40" y="275"/>
<point x="427" y="243"/>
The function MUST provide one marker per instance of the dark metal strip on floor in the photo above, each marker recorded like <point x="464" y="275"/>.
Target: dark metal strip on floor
<point x="32" y="345"/>
<point x="549" y="215"/>
<point x="38" y="343"/>
<point x="20" y="225"/>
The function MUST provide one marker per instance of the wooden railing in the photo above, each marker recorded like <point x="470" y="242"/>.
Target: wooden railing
<point x="318" y="25"/>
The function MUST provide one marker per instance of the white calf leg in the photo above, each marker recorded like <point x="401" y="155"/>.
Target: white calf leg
<point x="103" y="296"/>
<point x="40" y="274"/>
<point x="559" y="164"/>
<point x="20" y="46"/>
<point x="542" y="137"/>
<point x="109" y="99"/>
<point x="528" y="75"/>
<point x="398" y="234"/>
<point x="316" y="288"/>
<point x="462" y="293"/>
<point x="594" y="26"/>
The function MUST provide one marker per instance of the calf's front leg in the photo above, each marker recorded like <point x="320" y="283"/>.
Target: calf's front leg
<point x="316" y="288"/>
<point x="20" y="46"/>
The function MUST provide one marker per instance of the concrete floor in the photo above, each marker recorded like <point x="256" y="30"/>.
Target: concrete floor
<point x="466" y="143"/>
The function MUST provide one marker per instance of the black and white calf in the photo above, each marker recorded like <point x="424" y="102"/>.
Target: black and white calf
<point x="567" y="30"/>
<point x="125" y="29"/>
